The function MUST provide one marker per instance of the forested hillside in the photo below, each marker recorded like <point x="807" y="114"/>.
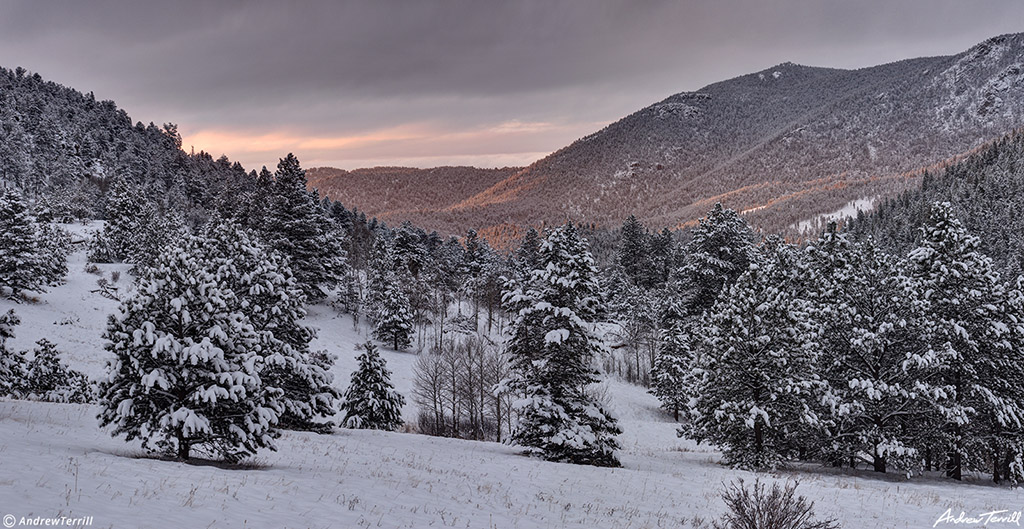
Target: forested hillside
<point x="397" y="194"/>
<point x="65" y="147"/>
<point x="986" y="191"/>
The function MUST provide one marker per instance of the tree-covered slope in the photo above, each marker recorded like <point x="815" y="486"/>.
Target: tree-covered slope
<point x="986" y="190"/>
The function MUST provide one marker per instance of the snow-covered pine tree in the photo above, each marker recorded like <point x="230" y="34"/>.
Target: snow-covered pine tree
<point x="297" y="227"/>
<point x="49" y="379"/>
<point x="675" y="357"/>
<point x="269" y="297"/>
<point x="19" y="251"/>
<point x="12" y="364"/>
<point x="872" y="317"/>
<point x="371" y="402"/>
<point x="552" y="349"/>
<point x="980" y="362"/>
<point x="393" y="319"/>
<point x="1007" y="437"/>
<point x="54" y="246"/>
<point x="99" y="248"/>
<point x="126" y="215"/>
<point x="185" y="373"/>
<point x="528" y="254"/>
<point x="756" y="380"/>
<point x="156" y="232"/>
<point x="721" y="248"/>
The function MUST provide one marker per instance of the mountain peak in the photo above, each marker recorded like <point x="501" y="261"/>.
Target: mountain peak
<point x="785" y="143"/>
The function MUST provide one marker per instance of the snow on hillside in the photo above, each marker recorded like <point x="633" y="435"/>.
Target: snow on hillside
<point x="848" y="211"/>
<point x="56" y="461"/>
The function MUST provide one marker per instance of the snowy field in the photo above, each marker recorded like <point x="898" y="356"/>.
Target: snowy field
<point x="55" y="461"/>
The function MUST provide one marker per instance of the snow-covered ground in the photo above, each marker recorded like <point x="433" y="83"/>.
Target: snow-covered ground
<point x="56" y="461"/>
<point x="848" y="211"/>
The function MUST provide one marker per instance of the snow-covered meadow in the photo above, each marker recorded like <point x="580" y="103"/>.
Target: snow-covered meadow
<point x="55" y="461"/>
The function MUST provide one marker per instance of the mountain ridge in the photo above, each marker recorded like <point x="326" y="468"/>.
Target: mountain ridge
<point x="783" y="143"/>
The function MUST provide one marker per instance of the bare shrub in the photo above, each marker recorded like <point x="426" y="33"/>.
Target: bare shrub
<point x="759" y="507"/>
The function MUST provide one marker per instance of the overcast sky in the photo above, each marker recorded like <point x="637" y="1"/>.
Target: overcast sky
<point x="424" y="83"/>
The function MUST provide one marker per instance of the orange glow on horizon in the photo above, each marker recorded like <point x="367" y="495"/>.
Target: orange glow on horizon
<point x="512" y="140"/>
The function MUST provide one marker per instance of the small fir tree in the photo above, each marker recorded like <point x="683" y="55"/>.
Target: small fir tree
<point x="371" y="402"/>
<point x="393" y="321"/>
<point x="48" y="378"/>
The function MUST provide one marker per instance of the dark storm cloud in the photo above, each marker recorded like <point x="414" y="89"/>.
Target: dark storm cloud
<point x="383" y="81"/>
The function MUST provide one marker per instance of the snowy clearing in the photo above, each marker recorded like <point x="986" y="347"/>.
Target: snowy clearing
<point x="56" y="461"/>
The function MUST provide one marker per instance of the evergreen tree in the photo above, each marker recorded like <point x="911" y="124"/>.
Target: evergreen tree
<point x="552" y="347"/>
<point x="48" y="378"/>
<point x="675" y="356"/>
<point x="1007" y="435"/>
<point x="973" y="337"/>
<point x="527" y="256"/>
<point x="271" y="300"/>
<point x="393" y="321"/>
<point x="19" y="252"/>
<point x="755" y="380"/>
<point x="662" y="259"/>
<point x="371" y="402"/>
<point x="54" y="246"/>
<point x="126" y="215"/>
<point x="12" y="364"/>
<point x="155" y="232"/>
<point x="672" y="368"/>
<point x="872" y="317"/>
<point x="297" y="227"/>
<point x="185" y="373"/>
<point x="633" y="255"/>
<point x="99" y="249"/>
<point x="720" y="250"/>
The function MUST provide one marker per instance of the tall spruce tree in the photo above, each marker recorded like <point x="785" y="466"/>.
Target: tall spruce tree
<point x="974" y="338"/>
<point x="756" y="380"/>
<point x="675" y="358"/>
<point x="527" y="256"/>
<point x="552" y="349"/>
<point x="720" y="250"/>
<point x="19" y="251"/>
<point x="185" y="373"/>
<point x="633" y="255"/>
<point x="662" y="259"/>
<point x="873" y="317"/>
<point x="371" y="402"/>
<point x="297" y="227"/>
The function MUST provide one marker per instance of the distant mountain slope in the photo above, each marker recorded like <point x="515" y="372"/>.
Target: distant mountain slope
<point x="396" y="194"/>
<point x="783" y="144"/>
<point x="987" y="193"/>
